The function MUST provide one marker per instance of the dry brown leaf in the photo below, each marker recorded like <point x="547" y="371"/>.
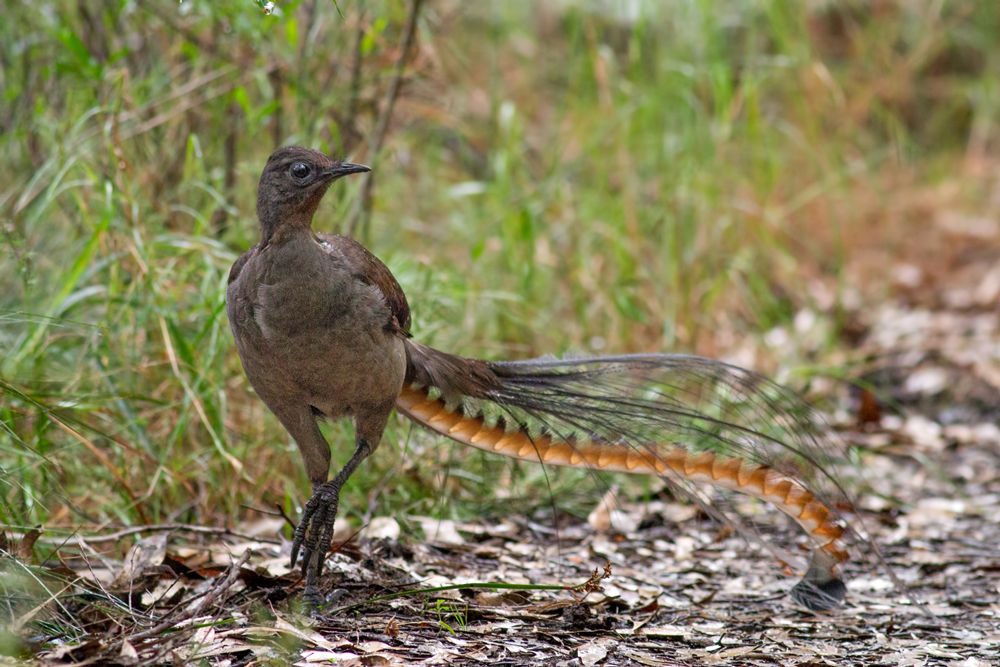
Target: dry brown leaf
<point x="25" y="548"/>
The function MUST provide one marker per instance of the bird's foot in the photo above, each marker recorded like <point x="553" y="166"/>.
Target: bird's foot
<point x="314" y="599"/>
<point x="317" y="603"/>
<point x="313" y="536"/>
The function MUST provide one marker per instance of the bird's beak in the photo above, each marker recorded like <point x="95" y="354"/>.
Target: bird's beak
<point x="343" y="169"/>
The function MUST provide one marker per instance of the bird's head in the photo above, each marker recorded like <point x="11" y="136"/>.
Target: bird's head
<point x="293" y="183"/>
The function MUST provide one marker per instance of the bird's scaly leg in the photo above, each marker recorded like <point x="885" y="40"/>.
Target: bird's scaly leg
<point x="314" y="533"/>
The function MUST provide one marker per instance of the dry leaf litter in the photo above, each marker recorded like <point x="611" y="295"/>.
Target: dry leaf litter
<point x="636" y="584"/>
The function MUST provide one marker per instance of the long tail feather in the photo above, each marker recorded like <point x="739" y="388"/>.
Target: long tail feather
<point x="687" y="419"/>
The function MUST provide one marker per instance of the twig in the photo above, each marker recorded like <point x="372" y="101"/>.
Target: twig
<point x="206" y="530"/>
<point x="180" y="92"/>
<point x="278" y="87"/>
<point x="362" y="204"/>
<point x="351" y="124"/>
<point x="589" y="586"/>
<point x="288" y="520"/>
<point x="279" y="511"/>
<point x="220" y="217"/>
<point x="194" y="612"/>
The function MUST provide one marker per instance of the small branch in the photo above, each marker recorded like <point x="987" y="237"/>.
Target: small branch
<point x="193" y="612"/>
<point x="351" y="122"/>
<point x="362" y="205"/>
<point x="171" y="527"/>
<point x="220" y="217"/>
<point x="277" y="84"/>
<point x="591" y="585"/>
<point x="288" y="520"/>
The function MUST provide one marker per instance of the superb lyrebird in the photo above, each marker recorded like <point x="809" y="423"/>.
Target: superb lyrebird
<point x="323" y="330"/>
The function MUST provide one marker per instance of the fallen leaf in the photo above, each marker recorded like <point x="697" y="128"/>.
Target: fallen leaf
<point x="591" y="654"/>
<point x="439" y="531"/>
<point x="382" y="527"/>
<point x="26" y="546"/>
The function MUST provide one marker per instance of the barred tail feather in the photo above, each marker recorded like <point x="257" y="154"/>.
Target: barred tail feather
<point x="756" y="480"/>
<point x="684" y="418"/>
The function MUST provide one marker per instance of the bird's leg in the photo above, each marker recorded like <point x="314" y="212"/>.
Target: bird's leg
<point x="315" y="531"/>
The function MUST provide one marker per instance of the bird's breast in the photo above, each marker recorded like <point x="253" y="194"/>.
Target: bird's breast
<point x="306" y="300"/>
<point x="319" y="328"/>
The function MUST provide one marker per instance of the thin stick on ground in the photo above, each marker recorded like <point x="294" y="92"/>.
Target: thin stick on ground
<point x="195" y="611"/>
<point x="174" y="527"/>
<point x="361" y="208"/>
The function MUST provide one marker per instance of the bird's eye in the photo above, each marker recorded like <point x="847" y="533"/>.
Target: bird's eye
<point x="300" y="171"/>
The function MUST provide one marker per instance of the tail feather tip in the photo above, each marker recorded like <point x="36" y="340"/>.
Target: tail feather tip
<point x="820" y="596"/>
<point x="821" y="589"/>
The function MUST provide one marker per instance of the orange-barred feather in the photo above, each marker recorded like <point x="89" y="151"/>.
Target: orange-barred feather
<point x="735" y="473"/>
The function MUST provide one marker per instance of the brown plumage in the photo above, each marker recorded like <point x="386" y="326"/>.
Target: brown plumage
<point x="323" y="330"/>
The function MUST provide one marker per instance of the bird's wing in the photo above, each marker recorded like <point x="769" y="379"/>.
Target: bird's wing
<point x="370" y="270"/>
<point x="234" y="273"/>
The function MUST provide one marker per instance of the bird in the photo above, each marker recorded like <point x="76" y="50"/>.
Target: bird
<point x="322" y="329"/>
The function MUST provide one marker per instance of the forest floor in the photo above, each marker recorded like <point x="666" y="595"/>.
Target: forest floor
<point x="662" y="586"/>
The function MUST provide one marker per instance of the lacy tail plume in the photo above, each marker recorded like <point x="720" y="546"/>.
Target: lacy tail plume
<point x="686" y="419"/>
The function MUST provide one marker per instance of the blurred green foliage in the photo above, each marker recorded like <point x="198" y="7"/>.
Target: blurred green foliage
<point x="595" y="176"/>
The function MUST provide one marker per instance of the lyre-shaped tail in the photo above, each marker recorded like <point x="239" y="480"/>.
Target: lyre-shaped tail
<point x="683" y="418"/>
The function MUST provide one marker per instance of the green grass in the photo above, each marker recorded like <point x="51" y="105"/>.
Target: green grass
<point x="556" y="178"/>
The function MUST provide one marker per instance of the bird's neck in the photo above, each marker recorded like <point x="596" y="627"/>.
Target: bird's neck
<point x="278" y="229"/>
<point x="284" y="218"/>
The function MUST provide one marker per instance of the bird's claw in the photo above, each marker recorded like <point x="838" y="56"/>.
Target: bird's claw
<point x="313" y="536"/>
